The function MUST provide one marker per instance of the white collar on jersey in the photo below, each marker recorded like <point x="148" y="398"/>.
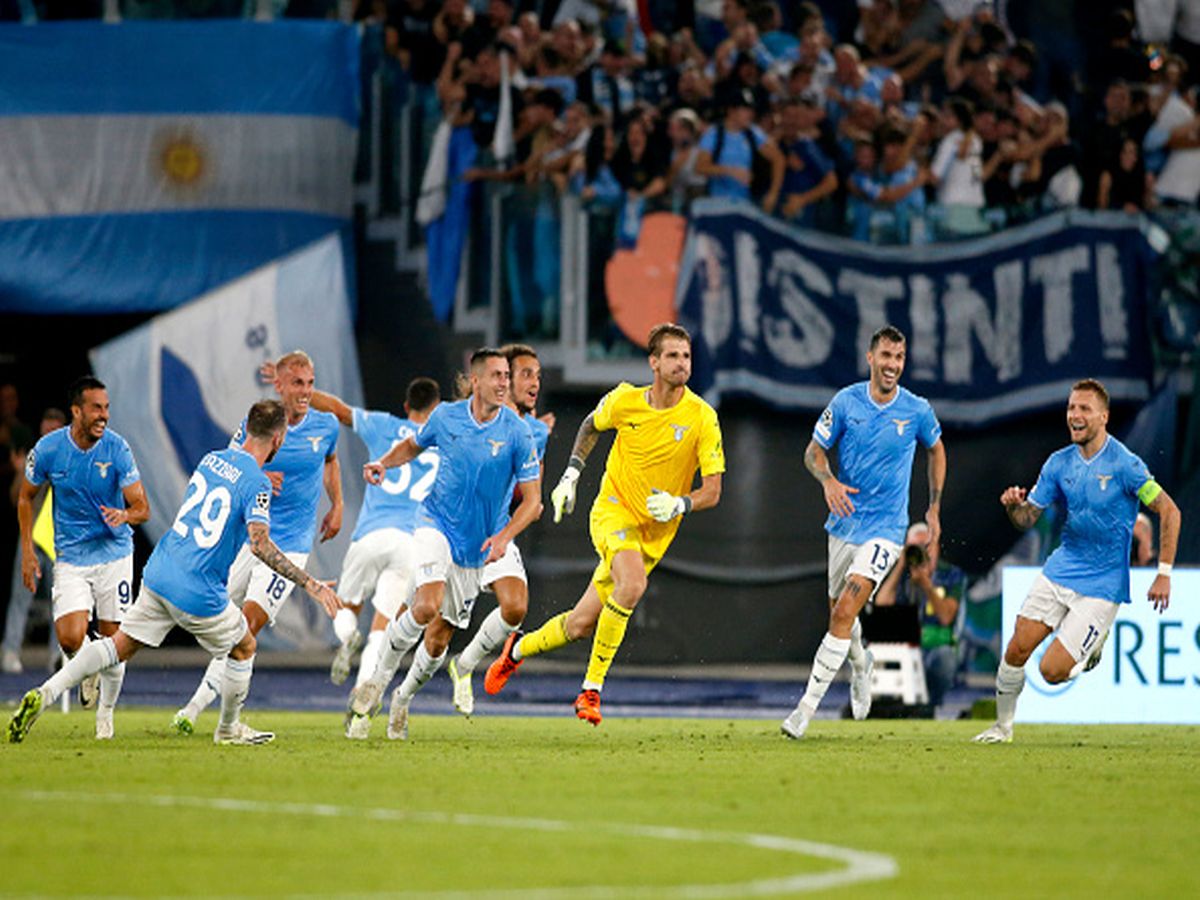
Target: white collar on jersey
<point x="1096" y="455"/>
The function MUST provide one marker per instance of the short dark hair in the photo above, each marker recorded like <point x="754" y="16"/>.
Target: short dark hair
<point x="1091" y="384"/>
<point x="54" y="414"/>
<point x="265" y="418"/>
<point x="963" y="111"/>
<point x="512" y="351"/>
<point x="485" y="353"/>
<point x="80" y="385"/>
<point x="665" y="330"/>
<point x="422" y="394"/>
<point x="887" y="333"/>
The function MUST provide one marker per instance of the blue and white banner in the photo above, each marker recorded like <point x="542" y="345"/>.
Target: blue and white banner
<point x="180" y="384"/>
<point x="143" y="164"/>
<point x="996" y="326"/>
<point x="1149" y="671"/>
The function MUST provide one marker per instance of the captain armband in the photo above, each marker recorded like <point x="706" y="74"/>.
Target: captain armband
<point x="1149" y="492"/>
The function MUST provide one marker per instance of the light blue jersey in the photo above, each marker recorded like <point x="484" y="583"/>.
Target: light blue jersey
<point x="474" y="482"/>
<point x="393" y="503"/>
<point x="875" y="445"/>
<point x="540" y="432"/>
<point x="301" y="459"/>
<point x="83" y="481"/>
<point x="190" y="565"/>
<point x="1101" y="500"/>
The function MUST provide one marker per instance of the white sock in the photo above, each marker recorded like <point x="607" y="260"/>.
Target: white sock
<point x="828" y="660"/>
<point x="235" y="686"/>
<point x="345" y="623"/>
<point x="370" y="657"/>
<point x="111" y="680"/>
<point x="858" y="655"/>
<point x="1009" y="682"/>
<point x="91" y="658"/>
<point x="491" y="636"/>
<point x="401" y="634"/>
<point x="209" y="689"/>
<point x="422" y="669"/>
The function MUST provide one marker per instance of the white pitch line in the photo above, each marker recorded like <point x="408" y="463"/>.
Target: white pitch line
<point x="860" y="865"/>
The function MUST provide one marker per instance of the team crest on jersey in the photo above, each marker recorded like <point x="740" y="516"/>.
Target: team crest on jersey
<point x="901" y="424"/>
<point x="496" y="445"/>
<point x="103" y="467"/>
<point x="680" y="430"/>
<point x="316" y="443"/>
<point x="1104" y="480"/>
<point x="262" y="500"/>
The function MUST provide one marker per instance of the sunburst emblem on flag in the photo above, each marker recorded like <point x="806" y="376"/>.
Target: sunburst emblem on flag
<point x="183" y="159"/>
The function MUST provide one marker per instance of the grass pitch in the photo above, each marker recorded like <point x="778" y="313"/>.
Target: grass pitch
<point x="549" y="808"/>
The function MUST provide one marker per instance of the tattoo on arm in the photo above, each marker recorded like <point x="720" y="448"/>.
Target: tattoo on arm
<point x="264" y="548"/>
<point x="817" y="463"/>
<point x="585" y="439"/>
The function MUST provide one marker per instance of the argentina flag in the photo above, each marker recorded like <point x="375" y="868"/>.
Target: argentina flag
<point x="143" y="164"/>
<point x="180" y="384"/>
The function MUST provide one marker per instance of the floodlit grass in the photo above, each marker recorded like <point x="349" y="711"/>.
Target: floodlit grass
<point x="1066" y="811"/>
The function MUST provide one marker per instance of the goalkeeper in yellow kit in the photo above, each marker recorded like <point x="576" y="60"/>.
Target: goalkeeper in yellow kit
<point x="664" y="434"/>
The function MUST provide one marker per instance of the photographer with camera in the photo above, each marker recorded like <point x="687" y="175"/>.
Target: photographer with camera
<point x="936" y="588"/>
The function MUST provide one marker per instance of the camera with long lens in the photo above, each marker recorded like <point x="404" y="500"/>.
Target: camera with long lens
<point x="915" y="556"/>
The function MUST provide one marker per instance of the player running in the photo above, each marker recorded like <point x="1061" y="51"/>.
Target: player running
<point x="876" y="426"/>
<point x="664" y="434"/>
<point x="506" y="577"/>
<point x="98" y="495"/>
<point x="306" y="461"/>
<point x="228" y="500"/>
<point x="378" y="563"/>
<point x="1085" y="581"/>
<point x="484" y="446"/>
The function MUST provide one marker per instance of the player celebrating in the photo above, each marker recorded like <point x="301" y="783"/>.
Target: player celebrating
<point x="98" y="495"/>
<point x="664" y="433"/>
<point x="876" y="425"/>
<point x="306" y="460"/>
<point x="484" y="446"/>
<point x="184" y="582"/>
<point x="379" y="561"/>
<point x="505" y="577"/>
<point x="1084" y="582"/>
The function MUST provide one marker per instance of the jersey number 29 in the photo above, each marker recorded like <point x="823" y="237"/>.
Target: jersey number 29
<point x="215" y="506"/>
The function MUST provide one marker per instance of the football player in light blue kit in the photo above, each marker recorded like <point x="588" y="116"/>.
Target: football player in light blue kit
<point x="98" y="495"/>
<point x="483" y="445"/>
<point x="876" y="426"/>
<point x="506" y="577"/>
<point x="379" y="561"/>
<point x="1100" y="482"/>
<point x="184" y="583"/>
<point x="306" y="461"/>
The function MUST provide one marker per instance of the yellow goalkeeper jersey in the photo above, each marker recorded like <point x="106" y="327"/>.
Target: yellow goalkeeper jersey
<point x="656" y="448"/>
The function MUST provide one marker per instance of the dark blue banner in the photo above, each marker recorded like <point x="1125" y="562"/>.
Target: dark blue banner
<point x="996" y="326"/>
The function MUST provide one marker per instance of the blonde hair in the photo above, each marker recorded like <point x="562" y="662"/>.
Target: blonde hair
<point x="294" y="358"/>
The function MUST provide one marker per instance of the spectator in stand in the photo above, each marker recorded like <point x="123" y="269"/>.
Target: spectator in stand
<point x="569" y="146"/>
<point x="607" y="87"/>
<point x="486" y="30"/>
<point x="1124" y="57"/>
<point x="812" y="53"/>
<point x="727" y="154"/>
<point x="901" y="184"/>
<point x="852" y="81"/>
<point x="809" y="175"/>
<point x="1105" y="137"/>
<point x="692" y="91"/>
<point x="957" y="172"/>
<point x="1057" y="160"/>
<point x="862" y="190"/>
<point x="452" y="23"/>
<point x="685" y="184"/>
<point x="642" y="176"/>
<point x="1177" y="131"/>
<point x="1125" y="185"/>
<point x="653" y="83"/>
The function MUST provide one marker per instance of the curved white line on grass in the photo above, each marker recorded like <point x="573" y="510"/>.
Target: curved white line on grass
<point x="859" y="865"/>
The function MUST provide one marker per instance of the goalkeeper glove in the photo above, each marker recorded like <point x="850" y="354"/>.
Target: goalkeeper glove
<point x="562" y="498"/>
<point x="663" y="507"/>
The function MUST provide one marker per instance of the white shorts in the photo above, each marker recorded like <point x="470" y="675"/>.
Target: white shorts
<point x="1080" y="621"/>
<point x="872" y="560"/>
<point x="152" y="617"/>
<point x="105" y="587"/>
<point x="510" y="565"/>
<point x="252" y="579"/>
<point x="379" y="564"/>
<point x="431" y="553"/>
